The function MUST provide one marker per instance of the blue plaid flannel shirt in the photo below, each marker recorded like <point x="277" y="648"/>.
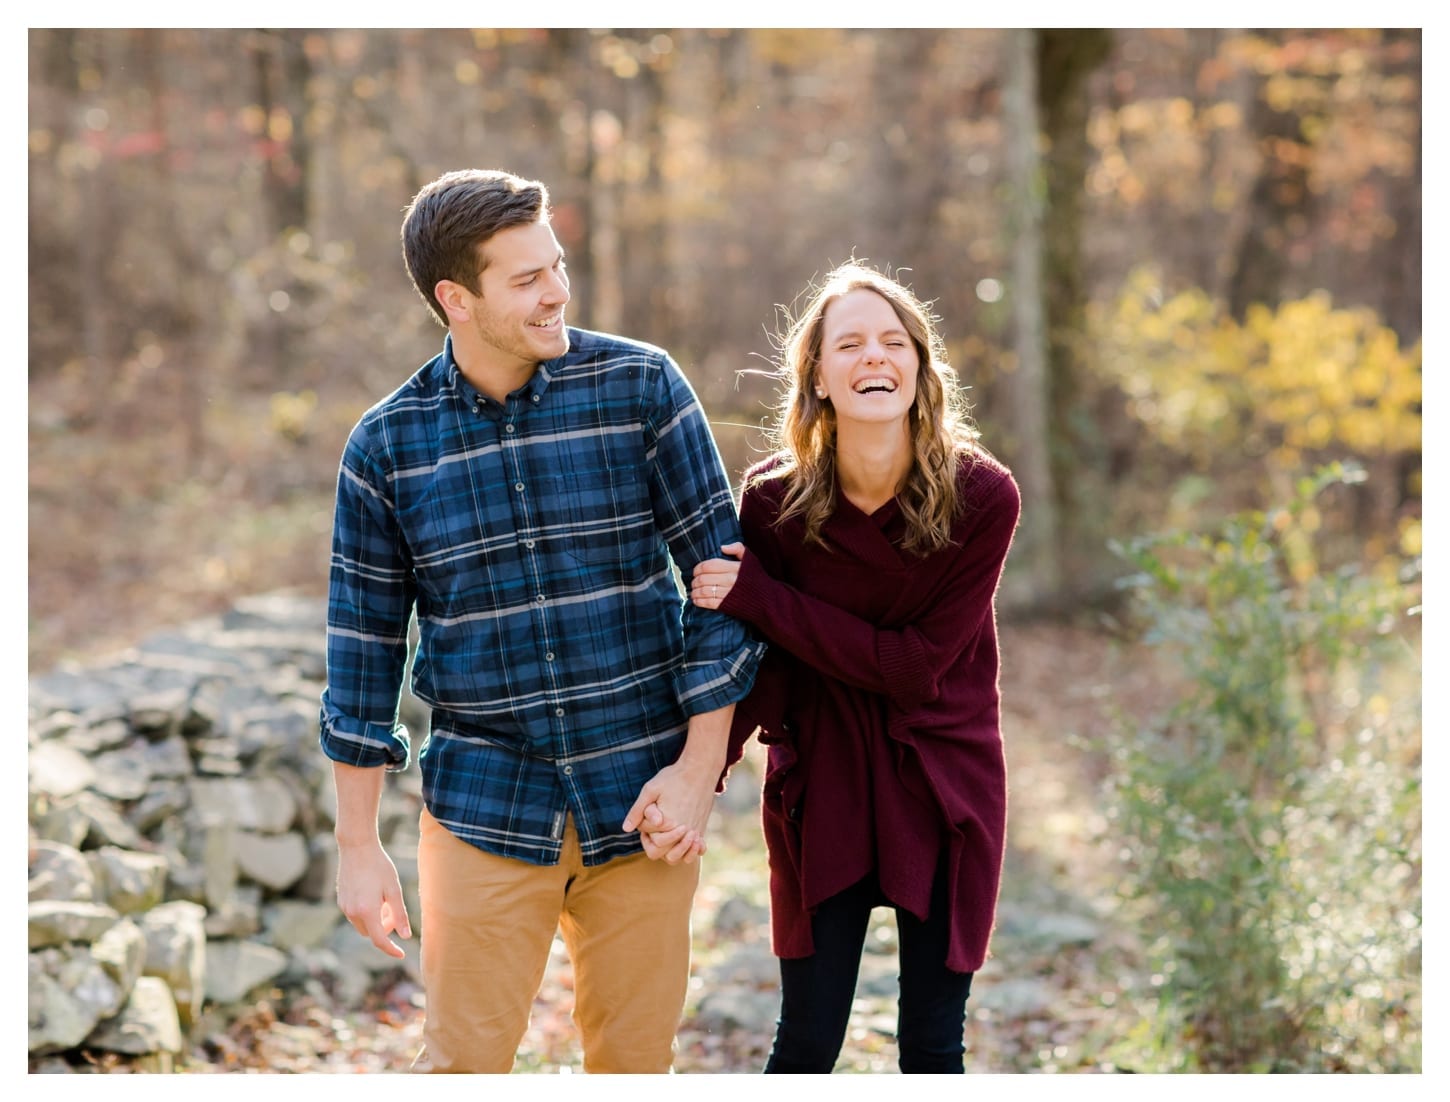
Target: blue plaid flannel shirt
<point x="556" y="651"/>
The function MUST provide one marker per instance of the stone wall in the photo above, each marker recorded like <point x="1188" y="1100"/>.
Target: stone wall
<point x="181" y="850"/>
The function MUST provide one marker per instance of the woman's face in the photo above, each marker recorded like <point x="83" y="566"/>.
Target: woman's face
<point x="868" y="362"/>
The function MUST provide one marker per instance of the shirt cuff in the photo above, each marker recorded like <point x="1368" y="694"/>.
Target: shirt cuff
<point x="708" y="687"/>
<point x="365" y="745"/>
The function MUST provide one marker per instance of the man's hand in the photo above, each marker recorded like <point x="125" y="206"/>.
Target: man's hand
<point x="370" y="895"/>
<point x="681" y="796"/>
<point x="661" y="837"/>
<point x="367" y="881"/>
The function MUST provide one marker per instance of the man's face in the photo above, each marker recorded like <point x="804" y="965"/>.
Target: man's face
<point x="519" y="317"/>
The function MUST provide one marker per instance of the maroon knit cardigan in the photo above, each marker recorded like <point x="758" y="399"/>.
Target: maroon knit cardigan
<point x="878" y="700"/>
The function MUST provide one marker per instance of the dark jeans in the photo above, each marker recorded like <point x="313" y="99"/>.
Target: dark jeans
<point x="816" y="991"/>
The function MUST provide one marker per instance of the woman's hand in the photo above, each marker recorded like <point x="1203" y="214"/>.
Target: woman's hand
<point x="714" y="578"/>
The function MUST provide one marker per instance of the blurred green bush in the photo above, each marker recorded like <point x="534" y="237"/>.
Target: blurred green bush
<point x="1270" y="821"/>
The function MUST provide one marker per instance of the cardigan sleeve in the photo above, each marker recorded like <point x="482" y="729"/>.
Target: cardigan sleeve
<point x="905" y="663"/>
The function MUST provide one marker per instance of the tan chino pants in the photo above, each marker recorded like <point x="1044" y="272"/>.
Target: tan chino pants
<point x="487" y="926"/>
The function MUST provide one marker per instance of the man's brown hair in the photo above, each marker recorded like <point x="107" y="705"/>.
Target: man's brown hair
<point x="450" y="218"/>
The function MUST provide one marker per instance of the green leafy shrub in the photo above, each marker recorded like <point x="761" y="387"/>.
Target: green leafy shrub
<point x="1270" y="821"/>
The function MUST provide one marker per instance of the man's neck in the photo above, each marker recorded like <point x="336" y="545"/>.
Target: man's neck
<point x="494" y="375"/>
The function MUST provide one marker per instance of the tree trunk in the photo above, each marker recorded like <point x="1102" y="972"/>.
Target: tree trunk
<point x="1065" y="60"/>
<point x="1280" y="193"/>
<point x="1028" y="392"/>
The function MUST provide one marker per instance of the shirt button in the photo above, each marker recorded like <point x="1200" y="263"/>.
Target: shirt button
<point x="558" y="711"/>
<point x="568" y="770"/>
<point x="536" y="397"/>
<point x="508" y="428"/>
<point x="519" y="486"/>
<point x="549" y="656"/>
<point x="529" y="544"/>
<point x="539" y="599"/>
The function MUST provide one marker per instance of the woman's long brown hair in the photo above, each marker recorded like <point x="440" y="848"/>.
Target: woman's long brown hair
<point x="942" y="435"/>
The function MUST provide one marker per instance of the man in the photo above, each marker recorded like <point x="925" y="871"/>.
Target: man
<point x="525" y="491"/>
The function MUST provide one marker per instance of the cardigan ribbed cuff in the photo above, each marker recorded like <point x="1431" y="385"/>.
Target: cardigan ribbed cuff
<point x="749" y="597"/>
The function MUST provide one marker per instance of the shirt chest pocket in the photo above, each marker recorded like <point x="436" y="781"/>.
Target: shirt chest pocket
<point x="600" y="516"/>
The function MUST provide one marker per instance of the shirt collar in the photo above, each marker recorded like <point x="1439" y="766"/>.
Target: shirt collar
<point x="532" y="391"/>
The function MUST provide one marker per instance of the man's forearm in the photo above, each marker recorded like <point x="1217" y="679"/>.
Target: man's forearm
<point x="359" y="793"/>
<point x="707" y="740"/>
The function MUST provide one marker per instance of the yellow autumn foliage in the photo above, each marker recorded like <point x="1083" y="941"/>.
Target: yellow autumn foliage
<point x="1303" y="377"/>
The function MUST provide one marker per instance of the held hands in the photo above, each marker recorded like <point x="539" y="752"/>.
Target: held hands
<point x="370" y="895"/>
<point x="671" y="813"/>
<point x="714" y="578"/>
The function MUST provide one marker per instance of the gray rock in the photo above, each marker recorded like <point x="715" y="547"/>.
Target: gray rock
<point x="149" y="1022"/>
<point x="739" y="915"/>
<point x="121" y="951"/>
<point x="187" y="769"/>
<point x="236" y="967"/>
<point x="346" y="980"/>
<point x="176" y="952"/>
<point x="89" y="981"/>
<point x="1014" y="998"/>
<point x="53" y="725"/>
<point x="265" y="804"/>
<point x="59" y="819"/>
<point x="217" y="758"/>
<point x="60" y="873"/>
<point x="106" y="827"/>
<point x="165" y="799"/>
<point x="354" y="950"/>
<point x="98" y="736"/>
<point x="58" y="1020"/>
<point x="319" y="883"/>
<point x="878" y="977"/>
<point x="127" y="880"/>
<point x="168" y="757"/>
<point x="752" y="966"/>
<point x="55" y="922"/>
<point x="121" y="775"/>
<point x="239" y="916"/>
<point x="294" y="924"/>
<point x="57" y="770"/>
<point x="1067" y="929"/>
<point x="189" y="651"/>
<point x="276" y="861"/>
<point x="290" y="612"/>
<point x="1046" y="928"/>
<point x="729" y="1010"/>
<point x="219" y="859"/>
<point x="160" y="713"/>
<point x="79" y="690"/>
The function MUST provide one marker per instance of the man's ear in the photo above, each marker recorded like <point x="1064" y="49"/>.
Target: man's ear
<point x="455" y="298"/>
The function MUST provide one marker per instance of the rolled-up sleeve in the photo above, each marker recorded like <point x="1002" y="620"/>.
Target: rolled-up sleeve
<point x="370" y="601"/>
<point x="695" y="512"/>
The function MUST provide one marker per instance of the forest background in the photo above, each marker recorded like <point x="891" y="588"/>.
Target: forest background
<point x="1180" y="271"/>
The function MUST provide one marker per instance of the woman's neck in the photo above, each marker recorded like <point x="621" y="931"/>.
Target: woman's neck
<point x="872" y="462"/>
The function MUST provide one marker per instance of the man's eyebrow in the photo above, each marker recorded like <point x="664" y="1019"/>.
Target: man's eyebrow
<point x="535" y="271"/>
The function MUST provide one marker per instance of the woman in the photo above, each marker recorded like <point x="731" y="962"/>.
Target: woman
<point x="874" y="542"/>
